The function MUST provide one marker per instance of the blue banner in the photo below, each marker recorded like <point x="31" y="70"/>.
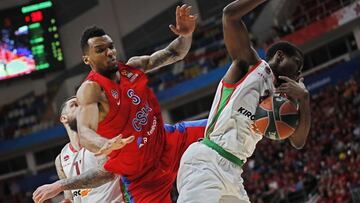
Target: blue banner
<point x="333" y="75"/>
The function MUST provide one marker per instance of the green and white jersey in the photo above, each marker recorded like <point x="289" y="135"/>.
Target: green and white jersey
<point x="232" y="112"/>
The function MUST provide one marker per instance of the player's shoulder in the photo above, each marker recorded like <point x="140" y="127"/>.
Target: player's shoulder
<point x="65" y="150"/>
<point x="138" y="62"/>
<point x="89" y="91"/>
<point x="262" y="68"/>
<point x="89" y="84"/>
<point x="63" y="154"/>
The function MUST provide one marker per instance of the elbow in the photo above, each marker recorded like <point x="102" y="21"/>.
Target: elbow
<point x="231" y="14"/>
<point x="298" y="146"/>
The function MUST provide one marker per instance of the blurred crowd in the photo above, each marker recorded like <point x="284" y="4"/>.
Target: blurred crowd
<point x="26" y="115"/>
<point x="307" y="12"/>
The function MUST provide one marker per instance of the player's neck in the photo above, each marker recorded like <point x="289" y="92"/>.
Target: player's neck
<point x="74" y="139"/>
<point x="111" y="76"/>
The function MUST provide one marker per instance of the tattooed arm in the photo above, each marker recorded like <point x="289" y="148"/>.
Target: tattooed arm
<point x="92" y="178"/>
<point x="177" y="49"/>
<point x="174" y="52"/>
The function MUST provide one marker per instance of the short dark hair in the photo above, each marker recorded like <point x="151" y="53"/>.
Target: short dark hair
<point x="88" y="33"/>
<point x="288" y="48"/>
<point x="64" y="104"/>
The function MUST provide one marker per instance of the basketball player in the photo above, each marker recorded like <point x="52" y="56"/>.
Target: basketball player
<point x="117" y="107"/>
<point x="75" y="160"/>
<point x="210" y="170"/>
<point x="92" y="174"/>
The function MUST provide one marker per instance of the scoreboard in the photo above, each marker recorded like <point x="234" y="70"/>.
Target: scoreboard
<point x="29" y="40"/>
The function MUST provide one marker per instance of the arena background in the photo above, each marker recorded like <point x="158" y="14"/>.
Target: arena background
<point x="328" y="32"/>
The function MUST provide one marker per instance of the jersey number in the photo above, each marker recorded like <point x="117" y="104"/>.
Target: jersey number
<point x="77" y="169"/>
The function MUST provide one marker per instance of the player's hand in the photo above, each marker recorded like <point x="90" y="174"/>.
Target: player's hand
<point x="46" y="192"/>
<point x="113" y="144"/>
<point x="185" y="22"/>
<point x="293" y="89"/>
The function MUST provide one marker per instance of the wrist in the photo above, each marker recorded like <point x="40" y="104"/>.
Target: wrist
<point x="59" y="185"/>
<point x="187" y="35"/>
<point x="305" y="97"/>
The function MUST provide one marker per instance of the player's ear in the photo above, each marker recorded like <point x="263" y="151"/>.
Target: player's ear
<point x="279" y="56"/>
<point x="63" y="119"/>
<point x="86" y="59"/>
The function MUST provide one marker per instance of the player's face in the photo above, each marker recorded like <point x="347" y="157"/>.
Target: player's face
<point x="70" y="111"/>
<point x="101" y="55"/>
<point x="284" y="65"/>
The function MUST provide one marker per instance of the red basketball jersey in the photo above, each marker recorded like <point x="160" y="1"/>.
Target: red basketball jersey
<point x="134" y="110"/>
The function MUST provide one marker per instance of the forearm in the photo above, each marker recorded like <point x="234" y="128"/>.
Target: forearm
<point x="90" y="140"/>
<point x="174" y="52"/>
<point x="299" y="137"/>
<point x="239" y="8"/>
<point x="90" y="179"/>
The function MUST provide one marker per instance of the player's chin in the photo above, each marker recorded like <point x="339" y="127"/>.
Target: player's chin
<point x="112" y="67"/>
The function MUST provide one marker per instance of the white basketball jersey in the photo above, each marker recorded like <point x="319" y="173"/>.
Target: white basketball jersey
<point x="232" y="112"/>
<point x="76" y="162"/>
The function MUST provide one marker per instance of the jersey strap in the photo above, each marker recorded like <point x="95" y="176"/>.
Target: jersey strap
<point x="222" y="152"/>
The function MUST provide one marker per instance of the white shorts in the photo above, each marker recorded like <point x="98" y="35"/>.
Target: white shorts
<point x="205" y="176"/>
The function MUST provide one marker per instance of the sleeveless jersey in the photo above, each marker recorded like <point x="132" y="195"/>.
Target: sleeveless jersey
<point x="76" y="162"/>
<point x="232" y="112"/>
<point x="134" y="110"/>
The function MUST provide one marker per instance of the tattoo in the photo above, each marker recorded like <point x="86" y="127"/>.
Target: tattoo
<point x="166" y="56"/>
<point x="174" y="52"/>
<point x="92" y="178"/>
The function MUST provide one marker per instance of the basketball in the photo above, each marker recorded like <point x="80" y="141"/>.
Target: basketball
<point x="276" y="117"/>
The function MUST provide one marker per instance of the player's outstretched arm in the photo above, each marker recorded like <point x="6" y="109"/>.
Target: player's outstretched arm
<point x="297" y="90"/>
<point x="177" y="49"/>
<point x="237" y="40"/>
<point x="92" y="178"/>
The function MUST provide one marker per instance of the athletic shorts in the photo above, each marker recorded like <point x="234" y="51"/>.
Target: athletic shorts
<point x="207" y="177"/>
<point x="155" y="185"/>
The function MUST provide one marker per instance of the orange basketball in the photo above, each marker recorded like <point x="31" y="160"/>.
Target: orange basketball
<point x="276" y="117"/>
